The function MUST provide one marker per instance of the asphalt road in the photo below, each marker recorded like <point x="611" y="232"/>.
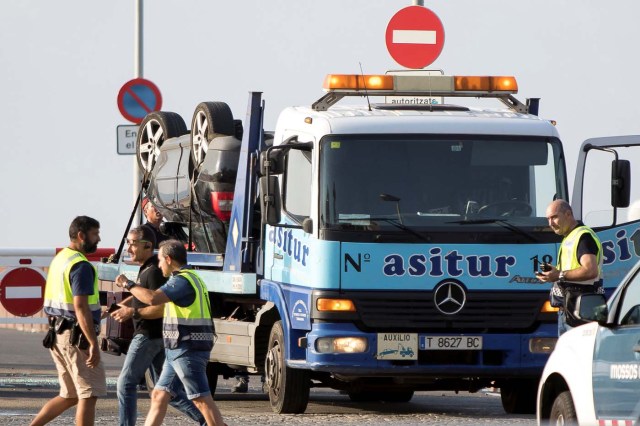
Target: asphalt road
<point x="28" y="380"/>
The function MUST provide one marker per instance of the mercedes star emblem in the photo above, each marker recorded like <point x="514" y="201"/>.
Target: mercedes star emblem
<point x="449" y="297"/>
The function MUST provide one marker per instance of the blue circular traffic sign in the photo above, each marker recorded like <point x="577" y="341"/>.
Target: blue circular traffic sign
<point x="137" y="98"/>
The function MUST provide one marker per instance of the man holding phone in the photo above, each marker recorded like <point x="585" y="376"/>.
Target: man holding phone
<point x="579" y="268"/>
<point x="146" y="350"/>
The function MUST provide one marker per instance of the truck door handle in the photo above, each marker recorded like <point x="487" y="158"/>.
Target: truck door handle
<point x="278" y="256"/>
<point x="636" y="348"/>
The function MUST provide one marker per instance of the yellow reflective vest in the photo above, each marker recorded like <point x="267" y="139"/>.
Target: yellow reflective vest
<point x="191" y="325"/>
<point x="568" y="254"/>
<point x="58" y="296"/>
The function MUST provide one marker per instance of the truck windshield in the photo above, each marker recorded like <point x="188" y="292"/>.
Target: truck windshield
<point x="377" y="182"/>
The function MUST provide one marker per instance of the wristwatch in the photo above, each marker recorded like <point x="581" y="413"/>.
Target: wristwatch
<point x="561" y="277"/>
<point x="136" y="314"/>
<point x="129" y="284"/>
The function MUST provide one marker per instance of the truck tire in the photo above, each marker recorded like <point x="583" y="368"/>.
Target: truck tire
<point x="156" y="128"/>
<point x="563" y="412"/>
<point x="212" y="377"/>
<point x="288" y="387"/>
<point x="519" y="396"/>
<point x="210" y="119"/>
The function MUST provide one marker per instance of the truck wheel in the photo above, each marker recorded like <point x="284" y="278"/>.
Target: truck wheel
<point x="519" y="396"/>
<point x="212" y="377"/>
<point x="210" y="119"/>
<point x="563" y="412"/>
<point x="156" y="128"/>
<point x="288" y="387"/>
<point x="398" y="396"/>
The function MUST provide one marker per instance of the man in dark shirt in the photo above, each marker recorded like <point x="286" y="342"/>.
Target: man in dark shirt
<point x="147" y="348"/>
<point x="579" y="263"/>
<point x="154" y="219"/>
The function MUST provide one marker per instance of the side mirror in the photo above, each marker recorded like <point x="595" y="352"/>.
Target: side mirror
<point x="270" y="200"/>
<point x="591" y="307"/>
<point x="307" y="225"/>
<point x="620" y="183"/>
<point x="272" y="159"/>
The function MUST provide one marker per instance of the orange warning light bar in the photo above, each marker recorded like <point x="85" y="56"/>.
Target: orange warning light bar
<point x="485" y="84"/>
<point x="358" y="82"/>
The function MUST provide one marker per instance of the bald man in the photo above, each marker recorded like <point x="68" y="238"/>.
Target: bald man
<point x="579" y="263"/>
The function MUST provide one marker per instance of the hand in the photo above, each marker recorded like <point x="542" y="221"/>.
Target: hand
<point x="121" y="280"/>
<point x="549" y="276"/>
<point x="94" y="356"/>
<point x="123" y="314"/>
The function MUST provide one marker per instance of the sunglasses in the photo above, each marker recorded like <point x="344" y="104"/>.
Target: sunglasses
<point x="132" y="242"/>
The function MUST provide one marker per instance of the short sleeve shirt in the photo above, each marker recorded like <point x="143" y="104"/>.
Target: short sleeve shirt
<point x="179" y="290"/>
<point x="82" y="276"/>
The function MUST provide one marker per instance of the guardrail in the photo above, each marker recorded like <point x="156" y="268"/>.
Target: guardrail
<point x="23" y="272"/>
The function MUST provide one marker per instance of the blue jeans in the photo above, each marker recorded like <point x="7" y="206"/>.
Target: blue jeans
<point x="146" y="353"/>
<point x="185" y="367"/>
<point x="563" y="327"/>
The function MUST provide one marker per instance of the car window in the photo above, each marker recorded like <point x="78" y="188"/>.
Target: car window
<point x="629" y="312"/>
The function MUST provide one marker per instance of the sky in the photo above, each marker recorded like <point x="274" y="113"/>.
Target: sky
<point x="62" y="64"/>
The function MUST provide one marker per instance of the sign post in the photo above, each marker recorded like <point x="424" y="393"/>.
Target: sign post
<point x="415" y="37"/>
<point x="22" y="291"/>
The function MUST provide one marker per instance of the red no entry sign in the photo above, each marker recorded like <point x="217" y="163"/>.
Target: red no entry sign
<point x="137" y="98"/>
<point x="415" y="37"/>
<point x="22" y="291"/>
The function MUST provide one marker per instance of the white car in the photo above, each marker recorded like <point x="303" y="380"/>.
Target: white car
<point x="593" y="375"/>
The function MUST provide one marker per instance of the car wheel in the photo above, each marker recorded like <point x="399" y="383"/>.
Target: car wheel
<point x="156" y="128"/>
<point x="563" y="412"/>
<point x="288" y="387"/>
<point x="210" y="119"/>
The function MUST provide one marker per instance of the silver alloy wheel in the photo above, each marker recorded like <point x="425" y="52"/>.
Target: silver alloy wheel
<point x="149" y="144"/>
<point x="199" y="141"/>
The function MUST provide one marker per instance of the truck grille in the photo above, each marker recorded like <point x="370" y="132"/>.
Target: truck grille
<point x="486" y="311"/>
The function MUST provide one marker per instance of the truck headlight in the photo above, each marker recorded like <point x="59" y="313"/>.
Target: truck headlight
<point x="326" y="345"/>
<point x="542" y="345"/>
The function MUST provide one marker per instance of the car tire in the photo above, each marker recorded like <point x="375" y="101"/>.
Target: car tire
<point x="154" y="130"/>
<point x="210" y="119"/>
<point x="563" y="412"/>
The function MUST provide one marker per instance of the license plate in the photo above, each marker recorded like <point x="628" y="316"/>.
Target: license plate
<point x="450" y="343"/>
<point x="397" y="346"/>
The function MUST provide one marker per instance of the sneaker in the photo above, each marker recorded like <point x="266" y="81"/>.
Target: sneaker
<point x="241" y="386"/>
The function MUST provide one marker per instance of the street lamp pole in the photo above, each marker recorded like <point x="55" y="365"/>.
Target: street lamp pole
<point x="138" y="73"/>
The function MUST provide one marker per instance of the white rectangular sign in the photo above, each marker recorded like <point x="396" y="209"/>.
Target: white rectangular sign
<point x="127" y="139"/>
<point x="415" y="100"/>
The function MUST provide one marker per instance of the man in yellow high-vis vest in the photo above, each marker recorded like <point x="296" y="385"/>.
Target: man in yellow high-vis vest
<point x="71" y="297"/>
<point x="187" y="332"/>
<point x="579" y="263"/>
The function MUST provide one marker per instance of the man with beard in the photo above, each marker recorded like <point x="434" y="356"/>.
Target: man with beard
<point x="72" y="302"/>
<point x="147" y="348"/>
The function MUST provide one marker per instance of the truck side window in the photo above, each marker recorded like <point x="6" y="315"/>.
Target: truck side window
<point x="297" y="185"/>
<point x="629" y="312"/>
